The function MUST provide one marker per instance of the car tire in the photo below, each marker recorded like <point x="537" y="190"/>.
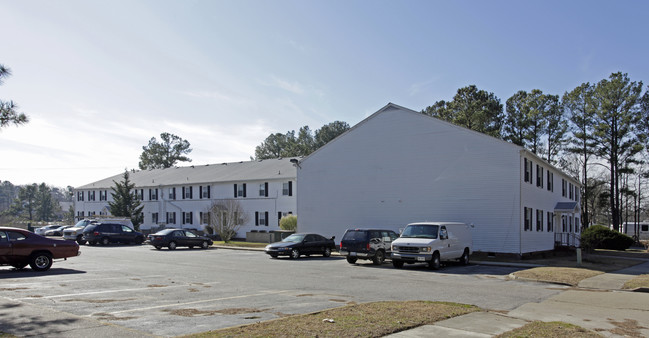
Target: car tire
<point x="172" y="245"/>
<point x="105" y="241"/>
<point x="80" y="240"/>
<point x="351" y="260"/>
<point x="397" y="264"/>
<point x="273" y="256"/>
<point x="379" y="257"/>
<point x="205" y="245"/>
<point x="91" y="243"/>
<point x="295" y="254"/>
<point x="40" y="261"/>
<point x="326" y="252"/>
<point x="158" y="247"/>
<point x="464" y="260"/>
<point x="435" y="262"/>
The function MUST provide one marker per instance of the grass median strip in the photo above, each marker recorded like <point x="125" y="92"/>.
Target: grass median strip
<point x="549" y="329"/>
<point x="360" y="320"/>
<point x="641" y="281"/>
<point x="568" y="276"/>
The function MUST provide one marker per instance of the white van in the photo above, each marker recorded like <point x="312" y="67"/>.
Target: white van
<point x="432" y="243"/>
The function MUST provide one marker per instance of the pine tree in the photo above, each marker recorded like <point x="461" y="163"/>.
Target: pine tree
<point x="126" y="203"/>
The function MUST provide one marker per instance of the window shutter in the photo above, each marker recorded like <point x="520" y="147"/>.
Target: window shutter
<point x="266" y="214"/>
<point x="279" y="217"/>
<point x="244" y="190"/>
<point x="174" y="192"/>
<point x="256" y="217"/>
<point x="266" y="189"/>
<point x="200" y="217"/>
<point x="183" y="218"/>
<point x="200" y="191"/>
<point x="208" y="192"/>
<point x="191" y="196"/>
<point x="290" y="188"/>
<point x="150" y="194"/>
<point x="191" y="215"/>
<point x="183" y="192"/>
<point x="235" y="190"/>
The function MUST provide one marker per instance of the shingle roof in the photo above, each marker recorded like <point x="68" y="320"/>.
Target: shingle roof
<point x="566" y="207"/>
<point x="281" y="168"/>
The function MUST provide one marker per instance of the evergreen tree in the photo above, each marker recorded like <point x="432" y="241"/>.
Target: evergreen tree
<point x="8" y="113"/>
<point x="46" y="205"/>
<point x="125" y="201"/>
<point x="164" y="154"/>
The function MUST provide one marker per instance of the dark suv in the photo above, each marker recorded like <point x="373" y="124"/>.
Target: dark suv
<point x="105" y="233"/>
<point x="371" y="244"/>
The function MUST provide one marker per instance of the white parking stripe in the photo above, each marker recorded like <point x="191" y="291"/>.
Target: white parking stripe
<point x="201" y="301"/>
<point x="112" y="291"/>
<point x="79" y="280"/>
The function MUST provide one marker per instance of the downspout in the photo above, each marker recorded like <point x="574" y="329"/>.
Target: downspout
<point x="521" y="173"/>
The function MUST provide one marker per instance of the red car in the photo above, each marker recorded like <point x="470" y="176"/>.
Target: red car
<point x="19" y="247"/>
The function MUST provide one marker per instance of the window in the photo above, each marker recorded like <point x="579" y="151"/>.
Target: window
<point x="550" y="183"/>
<point x="563" y="187"/>
<point x="570" y="223"/>
<point x="80" y="214"/>
<point x="571" y="190"/>
<point x="172" y="193"/>
<point x="527" y="171"/>
<point x="261" y="218"/>
<point x="239" y="190"/>
<point x="528" y="218"/>
<point x="153" y="194"/>
<point x="539" y="176"/>
<point x="576" y="194"/>
<point x="15" y="236"/>
<point x="287" y="188"/>
<point x="539" y="220"/>
<point x="154" y="218"/>
<point x="103" y="195"/>
<point x="91" y="195"/>
<point x="263" y="189"/>
<point x="205" y="217"/>
<point x="171" y="218"/>
<point x="188" y="193"/>
<point x="577" y="224"/>
<point x="204" y="192"/>
<point x="550" y="227"/>
<point x="188" y="217"/>
<point x="645" y="227"/>
<point x="564" y="223"/>
<point x="79" y="195"/>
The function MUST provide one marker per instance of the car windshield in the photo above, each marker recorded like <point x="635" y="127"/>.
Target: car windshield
<point x="293" y="239"/>
<point x="420" y="231"/>
<point x="82" y="223"/>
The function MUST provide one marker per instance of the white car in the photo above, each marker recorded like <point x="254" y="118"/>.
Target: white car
<point x="58" y="231"/>
<point x="41" y="231"/>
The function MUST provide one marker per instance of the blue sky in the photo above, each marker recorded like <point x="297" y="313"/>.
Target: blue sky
<point x="100" y="78"/>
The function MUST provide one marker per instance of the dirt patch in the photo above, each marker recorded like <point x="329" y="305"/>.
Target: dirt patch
<point x="192" y="290"/>
<point x="157" y="286"/>
<point x="338" y="300"/>
<point x="195" y="312"/>
<point x="12" y="289"/>
<point x="627" y="328"/>
<point x="108" y="316"/>
<point x="305" y="295"/>
<point x="98" y="301"/>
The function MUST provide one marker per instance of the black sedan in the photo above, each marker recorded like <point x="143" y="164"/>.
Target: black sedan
<point x="296" y="245"/>
<point x="173" y="238"/>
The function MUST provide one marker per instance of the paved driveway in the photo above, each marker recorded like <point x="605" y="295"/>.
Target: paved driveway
<point x="170" y="293"/>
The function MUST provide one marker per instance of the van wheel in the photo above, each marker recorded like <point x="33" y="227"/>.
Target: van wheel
<point x="351" y="260"/>
<point x="464" y="260"/>
<point x="397" y="263"/>
<point x="435" y="262"/>
<point x="379" y="257"/>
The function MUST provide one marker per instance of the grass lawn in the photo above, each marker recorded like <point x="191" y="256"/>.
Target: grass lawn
<point x="549" y="329"/>
<point x="360" y="320"/>
<point x="641" y="281"/>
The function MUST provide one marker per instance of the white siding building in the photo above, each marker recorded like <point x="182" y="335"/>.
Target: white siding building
<point x="400" y="166"/>
<point x="180" y="197"/>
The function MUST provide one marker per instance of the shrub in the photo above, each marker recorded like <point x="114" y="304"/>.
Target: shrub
<point x="209" y="230"/>
<point x="288" y="223"/>
<point x="601" y="237"/>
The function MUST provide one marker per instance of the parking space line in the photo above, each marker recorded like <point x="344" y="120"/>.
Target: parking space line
<point x="80" y="280"/>
<point x="201" y="301"/>
<point x="110" y="291"/>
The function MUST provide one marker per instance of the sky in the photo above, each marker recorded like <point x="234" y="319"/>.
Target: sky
<point x="99" y="79"/>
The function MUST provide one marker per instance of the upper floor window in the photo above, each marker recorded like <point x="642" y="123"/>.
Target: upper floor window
<point x="172" y="193"/>
<point x="91" y="195"/>
<point x="79" y="195"/>
<point x="287" y="188"/>
<point x="263" y="189"/>
<point x="528" y="170"/>
<point x="239" y="190"/>
<point x="153" y="194"/>
<point x="103" y="195"/>
<point x="539" y="176"/>
<point x="571" y="189"/>
<point x="564" y="187"/>
<point x="204" y="191"/>
<point x="550" y="183"/>
<point x="188" y="192"/>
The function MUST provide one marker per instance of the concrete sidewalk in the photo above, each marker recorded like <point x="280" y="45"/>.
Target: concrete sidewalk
<point x="598" y="305"/>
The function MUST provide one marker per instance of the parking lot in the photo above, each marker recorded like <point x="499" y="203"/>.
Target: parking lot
<point x="169" y="293"/>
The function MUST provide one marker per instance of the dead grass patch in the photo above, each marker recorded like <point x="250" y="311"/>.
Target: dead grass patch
<point x="569" y="276"/>
<point x="627" y="328"/>
<point x="108" y="316"/>
<point x="641" y="281"/>
<point x="549" y="329"/>
<point x="362" y="320"/>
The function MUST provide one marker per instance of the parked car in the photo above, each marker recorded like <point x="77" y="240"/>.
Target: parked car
<point x="432" y="243"/>
<point x="106" y="233"/>
<point x="296" y="245"/>
<point x="369" y="244"/>
<point x="19" y="248"/>
<point x="75" y="233"/>
<point x="41" y="231"/>
<point x="57" y="231"/>
<point x="173" y="238"/>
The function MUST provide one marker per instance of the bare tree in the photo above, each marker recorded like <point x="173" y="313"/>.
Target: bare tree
<point x="226" y="217"/>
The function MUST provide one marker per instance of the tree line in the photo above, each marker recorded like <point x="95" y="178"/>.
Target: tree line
<point x="34" y="203"/>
